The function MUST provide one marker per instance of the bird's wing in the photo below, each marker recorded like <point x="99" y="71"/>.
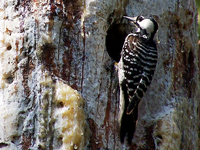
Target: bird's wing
<point x="133" y="68"/>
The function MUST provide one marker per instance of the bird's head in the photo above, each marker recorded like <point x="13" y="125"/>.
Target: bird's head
<point x="147" y="27"/>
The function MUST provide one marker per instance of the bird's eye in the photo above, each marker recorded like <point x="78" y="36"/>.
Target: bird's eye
<point x="140" y="18"/>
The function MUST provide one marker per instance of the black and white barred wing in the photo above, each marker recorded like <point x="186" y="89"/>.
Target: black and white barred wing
<point x="139" y="62"/>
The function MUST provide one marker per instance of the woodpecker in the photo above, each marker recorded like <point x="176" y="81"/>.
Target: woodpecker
<point x="135" y="71"/>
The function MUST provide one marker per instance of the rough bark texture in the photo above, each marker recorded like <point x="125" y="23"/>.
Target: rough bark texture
<point x="47" y="45"/>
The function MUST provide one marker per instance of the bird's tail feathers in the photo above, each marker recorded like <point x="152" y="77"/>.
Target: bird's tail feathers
<point x="132" y="105"/>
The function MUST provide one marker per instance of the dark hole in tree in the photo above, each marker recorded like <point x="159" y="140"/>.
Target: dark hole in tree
<point x="60" y="104"/>
<point x="9" y="47"/>
<point x="116" y="35"/>
<point x="9" y="80"/>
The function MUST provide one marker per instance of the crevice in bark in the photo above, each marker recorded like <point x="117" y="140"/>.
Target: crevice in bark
<point x="150" y="145"/>
<point x="2" y="145"/>
<point x="93" y="141"/>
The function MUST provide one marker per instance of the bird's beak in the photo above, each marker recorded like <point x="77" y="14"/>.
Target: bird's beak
<point x="132" y="19"/>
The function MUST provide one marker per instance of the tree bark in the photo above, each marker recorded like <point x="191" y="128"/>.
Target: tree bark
<point x="59" y="86"/>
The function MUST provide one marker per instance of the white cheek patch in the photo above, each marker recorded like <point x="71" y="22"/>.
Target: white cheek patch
<point x="148" y="25"/>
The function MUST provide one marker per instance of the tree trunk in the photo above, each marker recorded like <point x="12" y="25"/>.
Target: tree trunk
<point x="59" y="86"/>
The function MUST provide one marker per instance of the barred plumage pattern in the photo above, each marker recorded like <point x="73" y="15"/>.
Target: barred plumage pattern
<point x="135" y="72"/>
<point x="139" y="63"/>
